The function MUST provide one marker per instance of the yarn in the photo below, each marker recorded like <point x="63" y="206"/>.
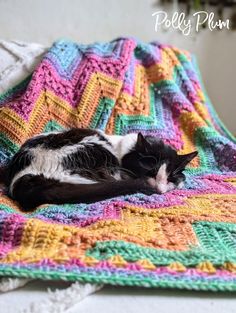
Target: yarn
<point x="183" y="239"/>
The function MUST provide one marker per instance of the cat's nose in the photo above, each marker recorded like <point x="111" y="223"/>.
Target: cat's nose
<point x="160" y="182"/>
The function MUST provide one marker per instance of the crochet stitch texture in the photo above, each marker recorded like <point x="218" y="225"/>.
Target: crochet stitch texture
<point x="183" y="239"/>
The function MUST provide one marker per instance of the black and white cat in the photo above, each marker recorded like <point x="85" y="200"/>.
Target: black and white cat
<point x="84" y="165"/>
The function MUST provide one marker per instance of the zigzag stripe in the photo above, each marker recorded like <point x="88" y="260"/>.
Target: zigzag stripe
<point x="184" y="238"/>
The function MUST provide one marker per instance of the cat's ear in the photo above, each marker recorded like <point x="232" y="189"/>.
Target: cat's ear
<point x="142" y="145"/>
<point x="184" y="159"/>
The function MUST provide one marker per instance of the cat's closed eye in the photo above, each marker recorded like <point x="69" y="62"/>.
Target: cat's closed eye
<point x="176" y="178"/>
<point x="148" y="162"/>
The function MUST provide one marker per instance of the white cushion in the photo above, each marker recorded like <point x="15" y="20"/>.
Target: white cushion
<point x="17" y="60"/>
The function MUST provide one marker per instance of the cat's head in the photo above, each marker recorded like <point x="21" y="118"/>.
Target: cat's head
<point x="150" y="153"/>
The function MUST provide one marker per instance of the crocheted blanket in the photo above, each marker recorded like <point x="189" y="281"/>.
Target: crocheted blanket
<point x="182" y="239"/>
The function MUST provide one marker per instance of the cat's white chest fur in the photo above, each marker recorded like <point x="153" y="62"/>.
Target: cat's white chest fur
<point x="122" y="144"/>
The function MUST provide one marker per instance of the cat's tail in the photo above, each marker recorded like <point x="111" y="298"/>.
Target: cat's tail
<point x="31" y="191"/>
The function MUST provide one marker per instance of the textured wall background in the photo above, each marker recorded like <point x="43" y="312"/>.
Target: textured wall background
<point x="85" y="21"/>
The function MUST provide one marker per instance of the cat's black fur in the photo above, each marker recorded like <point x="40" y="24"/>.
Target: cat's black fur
<point x="89" y="155"/>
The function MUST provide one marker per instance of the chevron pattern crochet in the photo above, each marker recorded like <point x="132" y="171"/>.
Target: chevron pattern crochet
<point x="182" y="239"/>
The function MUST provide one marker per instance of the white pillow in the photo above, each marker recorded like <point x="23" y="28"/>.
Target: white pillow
<point x="17" y="60"/>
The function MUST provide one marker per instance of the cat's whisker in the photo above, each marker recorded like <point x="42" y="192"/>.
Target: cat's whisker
<point x="127" y="171"/>
<point x="176" y="170"/>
